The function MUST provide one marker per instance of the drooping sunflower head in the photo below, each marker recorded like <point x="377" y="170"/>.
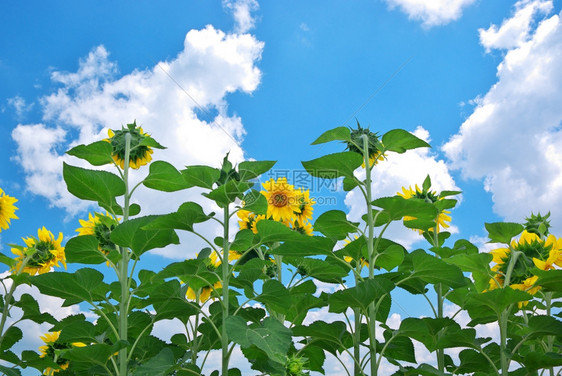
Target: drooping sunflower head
<point x="41" y="254"/>
<point x="7" y="210"/>
<point x="100" y="226"/>
<point x="140" y="152"/>
<point x="375" y="146"/>
<point x="282" y="199"/>
<point x="428" y="196"/>
<point x="51" y="350"/>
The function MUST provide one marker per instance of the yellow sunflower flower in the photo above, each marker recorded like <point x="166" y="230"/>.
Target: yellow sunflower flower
<point x="248" y="220"/>
<point x="49" y="350"/>
<point x="305" y="207"/>
<point x="100" y="226"/>
<point x="204" y="293"/>
<point x="442" y="217"/>
<point x="44" y="253"/>
<point x="139" y="154"/>
<point x="374" y="159"/>
<point x="7" y="210"/>
<point x="282" y="199"/>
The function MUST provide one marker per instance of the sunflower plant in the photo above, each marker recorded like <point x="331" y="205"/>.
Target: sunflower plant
<point x="258" y="286"/>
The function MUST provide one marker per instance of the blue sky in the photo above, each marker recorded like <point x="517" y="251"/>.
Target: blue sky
<point x="480" y="79"/>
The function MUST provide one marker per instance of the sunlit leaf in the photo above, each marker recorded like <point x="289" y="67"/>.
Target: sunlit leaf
<point x="163" y="176"/>
<point x="336" y="134"/>
<point x="399" y="140"/>
<point x="503" y="232"/>
<point x="101" y="186"/>
<point x="131" y="234"/>
<point x="97" y="153"/>
<point x="333" y="166"/>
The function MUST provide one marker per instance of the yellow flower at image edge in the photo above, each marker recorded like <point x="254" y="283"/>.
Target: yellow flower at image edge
<point x="410" y="193"/>
<point x="139" y="155"/>
<point x="49" y="350"/>
<point x="7" y="210"/>
<point x="45" y="252"/>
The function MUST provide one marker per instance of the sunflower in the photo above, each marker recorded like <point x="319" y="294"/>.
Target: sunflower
<point x="305" y="207"/>
<point x="374" y="159"/>
<point x="100" y="226"/>
<point x="7" y="210"/>
<point x="204" y="293"/>
<point x="428" y="196"/>
<point x="248" y="220"/>
<point x="50" y="350"/>
<point x="139" y="154"/>
<point x="282" y="199"/>
<point x="42" y="253"/>
<point x="374" y="144"/>
<point x="534" y="251"/>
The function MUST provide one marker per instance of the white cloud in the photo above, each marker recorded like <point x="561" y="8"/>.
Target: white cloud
<point x="20" y="106"/>
<point x="180" y="102"/>
<point x="431" y="12"/>
<point x="512" y="140"/>
<point x="514" y="31"/>
<point x="242" y="12"/>
<point x="403" y="170"/>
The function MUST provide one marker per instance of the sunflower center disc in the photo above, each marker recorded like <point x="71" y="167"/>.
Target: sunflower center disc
<point x="279" y="200"/>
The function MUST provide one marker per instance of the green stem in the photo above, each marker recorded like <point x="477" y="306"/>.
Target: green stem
<point x="372" y="312"/>
<point x="8" y="298"/>
<point x="549" y="339"/>
<point x="225" y="296"/>
<point x="440" y="352"/>
<point x="123" y="270"/>
<point x="504" y="316"/>
<point x="356" y="343"/>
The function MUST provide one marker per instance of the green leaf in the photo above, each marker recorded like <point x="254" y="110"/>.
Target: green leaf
<point x="549" y="279"/>
<point x="275" y="296"/>
<point x="391" y="257"/>
<point x="131" y="234"/>
<point x="434" y="270"/>
<point x="31" y="310"/>
<point x="249" y="170"/>
<point x="295" y="244"/>
<point x="158" y="365"/>
<point x="535" y="360"/>
<point x="255" y="202"/>
<point x="332" y="337"/>
<point x="478" y="264"/>
<point x="92" y="354"/>
<point x="101" y="186"/>
<point x="242" y="241"/>
<point x="169" y="302"/>
<point x="399" y="140"/>
<point x="187" y="215"/>
<point x="83" y="285"/>
<point x="437" y="333"/>
<point x="97" y="153"/>
<point x="473" y="361"/>
<point x="336" y="134"/>
<point x="349" y="184"/>
<point x="9" y="371"/>
<point x="228" y="192"/>
<point x="323" y="270"/>
<point x="502" y="232"/>
<point x="334" y="225"/>
<point x="163" y="176"/>
<point x="200" y="176"/>
<point x="487" y="306"/>
<point x="360" y="296"/>
<point x="11" y="337"/>
<point x="83" y="249"/>
<point x="270" y="336"/>
<point x="399" y="348"/>
<point x="333" y="166"/>
<point x="78" y="331"/>
<point x="540" y="326"/>
<point x="398" y="207"/>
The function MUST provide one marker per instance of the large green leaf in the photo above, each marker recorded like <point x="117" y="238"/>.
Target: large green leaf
<point x="131" y="234"/>
<point x="399" y="140"/>
<point x="270" y="336"/>
<point x="334" y="224"/>
<point x="398" y="207"/>
<point x="333" y="166"/>
<point x="83" y="285"/>
<point x="249" y="170"/>
<point x="97" y="153"/>
<point x="487" y="306"/>
<point x="11" y="337"/>
<point x="323" y="270"/>
<point x="275" y="296"/>
<point x="333" y="337"/>
<point x="200" y="176"/>
<point x="158" y="365"/>
<point x="165" y="177"/>
<point x="188" y="214"/>
<point x="101" y="186"/>
<point x="336" y="134"/>
<point x="228" y="192"/>
<point x="434" y="270"/>
<point x="10" y="371"/>
<point x="390" y="257"/>
<point x="83" y="250"/>
<point x="31" y="310"/>
<point x="503" y="232"/>
<point x="550" y="280"/>
<point x="360" y="296"/>
<point x="169" y="302"/>
<point x="255" y="202"/>
<point x="437" y="333"/>
<point x="477" y="263"/>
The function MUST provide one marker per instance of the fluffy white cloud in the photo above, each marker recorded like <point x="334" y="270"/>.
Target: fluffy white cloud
<point x="242" y="12"/>
<point x="180" y="102"/>
<point x="403" y="170"/>
<point x="512" y="140"/>
<point x="514" y="31"/>
<point x="431" y="12"/>
<point x="20" y="106"/>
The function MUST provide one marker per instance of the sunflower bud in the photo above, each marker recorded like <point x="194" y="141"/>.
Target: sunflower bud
<point x="538" y="224"/>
